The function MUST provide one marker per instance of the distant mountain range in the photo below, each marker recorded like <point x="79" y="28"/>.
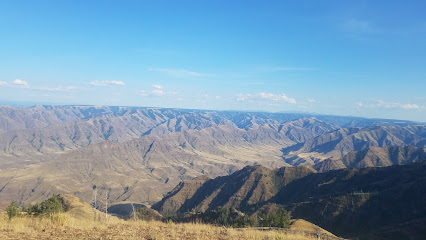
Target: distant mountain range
<point x="138" y="154"/>
<point x="374" y="157"/>
<point x="342" y="141"/>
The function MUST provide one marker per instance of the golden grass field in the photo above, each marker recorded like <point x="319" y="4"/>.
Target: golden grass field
<point x="63" y="226"/>
<point x="81" y="222"/>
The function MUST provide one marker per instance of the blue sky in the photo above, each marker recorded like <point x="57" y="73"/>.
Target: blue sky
<point x="359" y="58"/>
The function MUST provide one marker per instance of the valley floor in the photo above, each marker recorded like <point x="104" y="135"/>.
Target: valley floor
<point x="63" y="226"/>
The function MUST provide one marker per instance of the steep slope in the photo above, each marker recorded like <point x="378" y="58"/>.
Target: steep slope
<point x="374" y="157"/>
<point x="138" y="154"/>
<point x="13" y="118"/>
<point x="144" y="168"/>
<point x="368" y="203"/>
<point x="45" y="129"/>
<point x="65" y="128"/>
<point x="182" y="192"/>
<point x="242" y="190"/>
<point x="343" y="141"/>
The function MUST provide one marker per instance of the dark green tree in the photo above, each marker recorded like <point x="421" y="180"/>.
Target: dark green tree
<point x="51" y="205"/>
<point x="279" y="219"/>
<point x="222" y="216"/>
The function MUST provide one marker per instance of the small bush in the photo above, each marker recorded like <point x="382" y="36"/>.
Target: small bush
<point x="12" y="210"/>
<point x="51" y="205"/>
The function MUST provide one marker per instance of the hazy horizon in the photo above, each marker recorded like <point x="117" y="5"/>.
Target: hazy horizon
<point x="33" y="104"/>
<point x="361" y="59"/>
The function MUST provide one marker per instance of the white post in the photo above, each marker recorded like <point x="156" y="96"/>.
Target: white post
<point x="134" y="213"/>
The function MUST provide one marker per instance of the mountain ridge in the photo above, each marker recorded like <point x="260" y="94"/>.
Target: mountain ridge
<point x="374" y="157"/>
<point x="138" y="154"/>
<point x="367" y="203"/>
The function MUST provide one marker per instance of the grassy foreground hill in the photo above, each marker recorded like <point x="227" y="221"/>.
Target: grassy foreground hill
<point x="81" y="222"/>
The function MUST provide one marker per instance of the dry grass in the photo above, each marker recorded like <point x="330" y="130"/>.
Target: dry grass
<point x="80" y="223"/>
<point x="302" y="225"/>
<point x="64" y="226"/>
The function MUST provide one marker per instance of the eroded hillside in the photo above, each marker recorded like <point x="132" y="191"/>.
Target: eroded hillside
<point x="139" y="154"/>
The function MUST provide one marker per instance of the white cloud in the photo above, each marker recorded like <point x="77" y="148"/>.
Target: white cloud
<point x="178" y="72"/>
<point x="15" y="83"/>
<point x="311" y="100"/>
<point x="159" y="87"/>
<point x="266" y="97"/>
<point x="156" y="91"/>
<point x="277" y="97"/>
<point x="410" y="106"/>
<point x="20" y="83"/>
<point x="58" y="89"/>
<point x="107" y="83"/>
<point x="378" y="103"/>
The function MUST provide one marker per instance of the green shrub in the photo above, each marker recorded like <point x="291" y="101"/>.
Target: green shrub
<point x="54" y="204"/>
<point x="12" y="210"/>
<point x="279" y="219"/>
<point x="51" y="205"/>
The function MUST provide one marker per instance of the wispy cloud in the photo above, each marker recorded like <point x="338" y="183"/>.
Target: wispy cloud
<point x="266" y="97"/>
<point x="156" y="91"/>
<point x="178" y="72"/>
<point x="143" y="93"/>
<point x="378" y="103"/>
<point x="107" y="83"/>
<point x="15" y="83"/>
<point x="20" y="83"/>
<point x="58" y="89"/>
